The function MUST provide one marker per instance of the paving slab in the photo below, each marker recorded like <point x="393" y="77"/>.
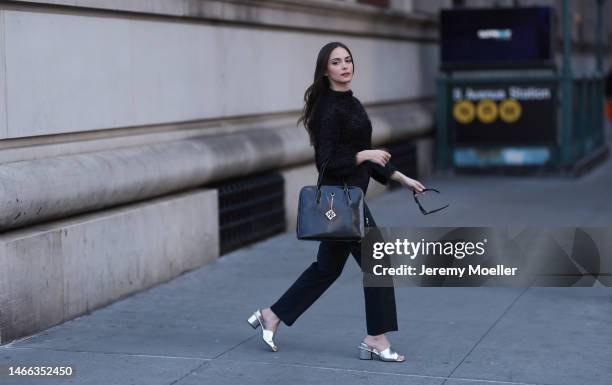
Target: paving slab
<point x="99" y="368"/>
<point x="550" y="335"/>
<point x="265" y="373"/>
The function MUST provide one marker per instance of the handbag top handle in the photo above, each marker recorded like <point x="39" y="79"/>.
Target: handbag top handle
<point x="320" y="179"/>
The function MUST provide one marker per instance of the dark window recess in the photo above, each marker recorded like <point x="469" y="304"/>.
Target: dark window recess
<point x="379" y="3"/>
<point x="250" y="209"/>
<point x="404" y="157"/>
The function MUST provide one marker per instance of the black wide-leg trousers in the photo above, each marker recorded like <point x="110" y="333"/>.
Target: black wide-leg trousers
<point x="381" y="314"/>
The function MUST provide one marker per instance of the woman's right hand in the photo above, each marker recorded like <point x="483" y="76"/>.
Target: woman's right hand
<point x="377" y="156"/>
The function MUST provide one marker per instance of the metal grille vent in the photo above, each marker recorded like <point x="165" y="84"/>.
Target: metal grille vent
<point x="250" y="209"/>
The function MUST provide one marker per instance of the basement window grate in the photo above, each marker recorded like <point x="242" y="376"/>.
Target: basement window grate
<point x="250" y="209"/>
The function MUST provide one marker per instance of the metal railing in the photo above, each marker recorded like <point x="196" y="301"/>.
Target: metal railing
<point x="588" y="115"/>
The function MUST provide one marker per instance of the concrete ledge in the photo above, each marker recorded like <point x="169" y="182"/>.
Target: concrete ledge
<point x="34" y="191"/>
<point x="391" y="120"/>
<point x="54" y="272"/>
<point x="44" y="189"/>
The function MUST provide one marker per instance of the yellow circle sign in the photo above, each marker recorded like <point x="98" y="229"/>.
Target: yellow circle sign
<point x="510" y="110"/>
<point x="486" y="110"/>
<point x="464" y="111"/>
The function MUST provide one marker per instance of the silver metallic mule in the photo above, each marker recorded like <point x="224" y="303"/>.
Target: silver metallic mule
<point x="366" y="352"/>
<point x="255" y="320"/>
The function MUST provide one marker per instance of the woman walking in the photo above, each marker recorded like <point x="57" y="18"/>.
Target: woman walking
<point x="340" y="130"/>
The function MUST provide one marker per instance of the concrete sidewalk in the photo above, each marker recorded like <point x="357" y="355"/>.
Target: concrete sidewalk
<point x="193" y="329"/>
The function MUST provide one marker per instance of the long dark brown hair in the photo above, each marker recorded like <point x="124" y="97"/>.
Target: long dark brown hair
<point x="319" y="85"/>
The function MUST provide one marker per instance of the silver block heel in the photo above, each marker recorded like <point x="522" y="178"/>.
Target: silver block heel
<point x="367" y="352"/>
<point x="255" y="320"/>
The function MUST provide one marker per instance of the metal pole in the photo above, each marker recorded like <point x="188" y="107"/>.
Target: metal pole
<point x="442" y="148"/>
<point x="600" y="36"/>
<point x="566" y="90"/>
<point x="600" y="97"/>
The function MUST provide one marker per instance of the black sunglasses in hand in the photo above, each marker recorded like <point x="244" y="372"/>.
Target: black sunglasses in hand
<point x="416" y="199"/>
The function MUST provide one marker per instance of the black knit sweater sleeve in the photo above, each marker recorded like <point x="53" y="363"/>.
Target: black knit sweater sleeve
<point x="382" y="174"/>
<point x="329" y="145"/>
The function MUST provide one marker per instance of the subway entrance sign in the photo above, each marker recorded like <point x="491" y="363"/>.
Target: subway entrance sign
<point x="508" y="114"/>
<point x="502" y="124"/>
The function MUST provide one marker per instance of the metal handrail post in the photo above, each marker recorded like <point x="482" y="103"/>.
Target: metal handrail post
<point x="566" y="90"/>
<point x="442" y="144"/>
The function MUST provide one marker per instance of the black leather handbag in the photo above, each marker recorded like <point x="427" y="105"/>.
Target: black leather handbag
<point x="333" y="213"/>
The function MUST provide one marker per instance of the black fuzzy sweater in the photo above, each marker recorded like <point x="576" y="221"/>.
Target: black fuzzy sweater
<point x="341" y="129"/>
